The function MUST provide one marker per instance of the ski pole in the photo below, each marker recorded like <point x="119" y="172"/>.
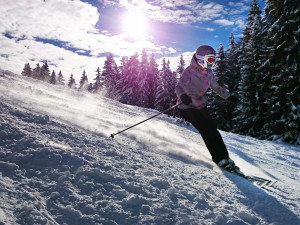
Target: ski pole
<point x="172" y="107"/>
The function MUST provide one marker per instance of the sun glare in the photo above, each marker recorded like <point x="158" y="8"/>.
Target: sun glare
<point x="135" y="25"/>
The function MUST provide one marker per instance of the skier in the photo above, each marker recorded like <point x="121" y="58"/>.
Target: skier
<point x="191" y="89"/>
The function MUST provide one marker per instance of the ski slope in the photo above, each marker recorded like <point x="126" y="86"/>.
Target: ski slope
<point x="59" y="166"/>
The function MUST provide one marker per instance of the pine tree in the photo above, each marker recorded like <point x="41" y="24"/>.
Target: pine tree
<point x="110" y="75"/>
<point x="72" y="82"/>
<point x="143" y="85"/>
<point x="171" y="81"/>
<point x="97" y="86"/>
<point x="60" y="79"/>
<point x="258" y="52"/>
<point x="218" y="106"/>
<point x="122" y="85"/>
<point x="134" y="79"/>
<point x="36" y="71"/>
<point x="53" y="78"/>
<point x="165" y="94"/>
<point x="45" y="73"/>
<point x="233" y="78"/>
<point x="282" y="24"/>
<point x="153" y="80"/>
<point x="128" y="84"/>
<point x="270" y="33"/>
<point x="181" y="65"/>
<point x="249" y="74"/>
<point x="84" y="83"/>
<point x="27" y="70"/>
<point x="161" y="95"/>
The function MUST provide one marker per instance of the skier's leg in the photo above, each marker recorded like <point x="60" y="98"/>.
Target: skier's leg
<point x="202" y="121"/>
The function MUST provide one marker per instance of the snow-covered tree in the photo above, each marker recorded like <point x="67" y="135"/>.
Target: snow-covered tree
<point x="97" y="86"/>
<point x="45" y="73"/>
<point x="153" y="80"/>
<point x="36" y="71"/>
<point x="143" y="85"/>
<point x="128" y="84"/>
<point x="122" y="85"/>
<point x="133" y="77"/>
<point x="249" y="73"/>
<point x="233" y="78"/>
<point x="27" y="70"/>
<point x="72" y="82"/>
<point x="165" y="94"/>
<point x="217" y="105"/>
<point x="60" y="79"/>
<point x="171" y="81"/>
<point x="84" y="83"/>
<point x="181" y="66"/>
<point x="111" y="75"/>
<point x="53" y="78"/>
<point x="281" y="32"/>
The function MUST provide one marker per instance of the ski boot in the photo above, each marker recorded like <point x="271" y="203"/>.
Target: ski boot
<point x="229" y="165"/>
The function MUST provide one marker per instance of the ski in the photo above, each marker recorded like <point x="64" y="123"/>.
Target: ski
<point x="261" y="182"/>
<point x="258" y="181"/>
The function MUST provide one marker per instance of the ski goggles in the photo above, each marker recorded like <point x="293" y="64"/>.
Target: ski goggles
<point x="211" y="60"/>
<point x="208" y="58"/>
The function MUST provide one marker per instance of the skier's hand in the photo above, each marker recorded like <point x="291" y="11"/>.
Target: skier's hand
<point x="225" y="94"/>
<point x="186" y="100"/>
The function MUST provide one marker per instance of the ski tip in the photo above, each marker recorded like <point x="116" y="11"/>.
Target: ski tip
<point x="112" y="136"/>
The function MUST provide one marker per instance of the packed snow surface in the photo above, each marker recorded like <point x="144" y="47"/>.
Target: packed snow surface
<point x="59" y="166"/>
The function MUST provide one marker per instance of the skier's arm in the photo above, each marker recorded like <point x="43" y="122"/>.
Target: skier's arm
<point x="222" y="92"/>
<point x="183" y="84"/>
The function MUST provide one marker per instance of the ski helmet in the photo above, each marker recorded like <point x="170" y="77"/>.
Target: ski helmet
<point x="205" y="56"/>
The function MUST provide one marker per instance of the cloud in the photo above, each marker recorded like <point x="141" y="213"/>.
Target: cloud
<point x="238" y="8"/>
<point x="108" y="3"/>
<point x="209" y="29"/>
<point x="20" y="52"/>
<point x="174" y="60"/>
<point x="188" y="12"/>
<point x="224" y="22"/>
<point x="240" y="24"/>
<point x="178" y="11"/>
<point x="26" y="26"/>
<point x="71" y="22"/>
<point x="53" y="19"/>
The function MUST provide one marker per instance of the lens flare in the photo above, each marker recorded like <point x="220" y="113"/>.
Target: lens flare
<point x="135" y="25"/>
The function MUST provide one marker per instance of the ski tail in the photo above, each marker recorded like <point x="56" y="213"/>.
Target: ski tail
<point x="258" y="181"/>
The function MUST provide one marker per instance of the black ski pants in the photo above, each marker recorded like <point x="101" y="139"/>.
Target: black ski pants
<point x="202" y="121"/>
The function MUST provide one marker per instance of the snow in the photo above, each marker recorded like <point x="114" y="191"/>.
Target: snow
<point x="59" y="166"/>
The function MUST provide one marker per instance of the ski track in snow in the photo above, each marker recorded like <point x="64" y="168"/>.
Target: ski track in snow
<point x="59" y="166"/>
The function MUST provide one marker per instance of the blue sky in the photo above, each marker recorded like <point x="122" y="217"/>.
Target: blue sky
<point x="74" y="35"/>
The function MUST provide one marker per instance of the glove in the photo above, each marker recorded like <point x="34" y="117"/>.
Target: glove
<point x="186" y="100"/>
<point x="224" y="94"/>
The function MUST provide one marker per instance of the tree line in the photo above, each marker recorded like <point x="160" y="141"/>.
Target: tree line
<point x="260" y="70"/>
<point x="135" y="82"/>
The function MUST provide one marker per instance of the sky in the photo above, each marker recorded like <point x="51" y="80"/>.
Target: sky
<point x="77" y="35"/>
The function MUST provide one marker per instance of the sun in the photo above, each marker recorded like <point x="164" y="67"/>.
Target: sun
<point x="135" y="25"/>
